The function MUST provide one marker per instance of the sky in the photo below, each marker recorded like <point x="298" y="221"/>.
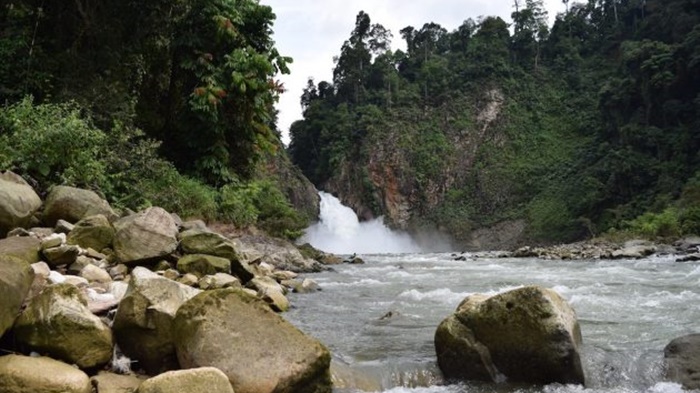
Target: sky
<point x="313" y="31"/>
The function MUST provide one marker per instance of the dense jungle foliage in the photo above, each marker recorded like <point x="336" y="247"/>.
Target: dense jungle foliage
<point x="599" y="128"/>
<point x="165" y="102"/>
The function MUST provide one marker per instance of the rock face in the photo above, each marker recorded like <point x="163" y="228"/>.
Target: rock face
<point x="16" y="277"/>
<point x="197" y="380"/>
<point x="142" y="325"/>
<point x="72" y="204"/>
<point x="263" y="352"/>
<point x="526" y="335"/>
<point x="683" y="361"/>
<point x="24" y="374"/>
<point x="58" y="322"/>
<point x="92" y="232"/>
<point x="144" y="236"/>
<point x="18" y="202"/>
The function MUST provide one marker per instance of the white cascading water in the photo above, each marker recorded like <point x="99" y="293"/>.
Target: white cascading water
<point x="340" y="232"/>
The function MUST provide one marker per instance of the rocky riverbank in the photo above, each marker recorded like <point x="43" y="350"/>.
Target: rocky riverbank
<point x="101" y="301"/>
<point x="684" y="250"/>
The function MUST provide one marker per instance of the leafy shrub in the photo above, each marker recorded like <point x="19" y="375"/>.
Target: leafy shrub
<point x="261" y="202"/>
<point x="653" y="225"/>
<point x="689" y="221"/>
<point x="52" y="143"/>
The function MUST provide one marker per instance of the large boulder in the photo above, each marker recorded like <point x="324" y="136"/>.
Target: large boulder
<point x="58" y="322"/>
<point x="526" y="335"/>
<point x="196" y="380"/>
<point x="279" y="253"/>
<point x="202" y="264"/>
<point x="204" y="241"/>
<point x="142" y="325"/>
<point x="18" y="202"/>
<point x="92" y="232"/>
<point x="24" y="374"/>
<point x="26" y="248"/>
<point x="263" y="353"/>
<point x="73" y="204"/>
<point x="683" y="361"/>
<point x="16" y="277"/>
<point x="145" y="236"/>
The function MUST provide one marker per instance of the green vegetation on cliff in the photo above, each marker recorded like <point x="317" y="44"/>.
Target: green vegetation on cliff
<point x="167" y="103"/>
<point x="590" y="126"/>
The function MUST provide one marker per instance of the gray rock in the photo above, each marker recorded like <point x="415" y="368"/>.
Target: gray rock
<point x="58" y="322"/>
<point x="145" y="236"/>
<point x="683" y="361"/>
<point x="189" y="279"/>
<point x="526" y="335"/>
<point x="18" y="202"/>
<point x="279" y="253"/>
<point x="218" y="281"/>
<point x="24" y="374"/>
<point x="53" y="240"/>
<point x="307" y="286"/>
<point x="94" y="274"/>
<point x="263" y="352"/>
<point x="634" y="249"/>
<point x="105" y="382"/>
<point x="63" y="226"/>
<point x="16" y="277"/>
<point x="195" y="380"/>
<point x="142" y="325"/>
<point x="61" y="255"/>
<point x="73" y="204"/>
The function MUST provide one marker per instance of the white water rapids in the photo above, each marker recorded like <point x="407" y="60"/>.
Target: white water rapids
<point x="628" y="310"/>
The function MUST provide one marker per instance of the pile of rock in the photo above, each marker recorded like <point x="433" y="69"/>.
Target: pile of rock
<point x="687" y="249"/>
<point x="86" y="291"/>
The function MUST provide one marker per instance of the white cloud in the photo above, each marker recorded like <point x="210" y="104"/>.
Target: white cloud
<point x="312" y="32"/>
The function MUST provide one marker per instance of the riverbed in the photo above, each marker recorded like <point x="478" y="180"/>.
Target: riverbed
<point x="379" y="318"/>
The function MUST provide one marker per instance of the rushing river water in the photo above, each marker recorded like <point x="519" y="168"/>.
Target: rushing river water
<point x="628" y="310"/>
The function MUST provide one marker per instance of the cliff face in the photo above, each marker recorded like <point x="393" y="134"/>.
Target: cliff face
<point x="405" y="172"/>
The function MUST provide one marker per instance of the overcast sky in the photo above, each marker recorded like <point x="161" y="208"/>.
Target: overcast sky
<point x="312" y="32"/>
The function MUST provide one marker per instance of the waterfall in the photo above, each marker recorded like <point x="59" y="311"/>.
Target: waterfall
<point x="339" y="231"/>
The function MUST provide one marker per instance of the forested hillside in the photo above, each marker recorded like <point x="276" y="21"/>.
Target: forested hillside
<point x="509" y="131"/>
<point x="166" y="102"/>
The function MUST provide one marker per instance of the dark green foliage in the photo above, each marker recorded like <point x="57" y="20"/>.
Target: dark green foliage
<point x="120" y="86"/>
<point x="597" y="127"/>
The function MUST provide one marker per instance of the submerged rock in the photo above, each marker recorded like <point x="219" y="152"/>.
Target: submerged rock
<point x="263" y="353"/>
<point x="526" y="335"/>
<point x="683" y="361"/>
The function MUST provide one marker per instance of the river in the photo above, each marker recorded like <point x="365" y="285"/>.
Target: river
<point x="628" y="310"/>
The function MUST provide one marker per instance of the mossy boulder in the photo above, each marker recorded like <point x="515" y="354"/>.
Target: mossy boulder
<point x="16" y="277"/>
<point x="94" y="232"/>
<point x="18" y="202"/>
<point x="145" y="236"/>
<point x="196" y="380"/>
<point x="73" y="204"/>
<point x="204" y="241"/>
<point x="24" y="374"/>
<point x="526" y="335"/>
<point x="201" y="264"/>
<point x="26" y="248"/>
<point x="263" y="353"/>
<point x="58" y="322"/>
<point x="142" y="325"/>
